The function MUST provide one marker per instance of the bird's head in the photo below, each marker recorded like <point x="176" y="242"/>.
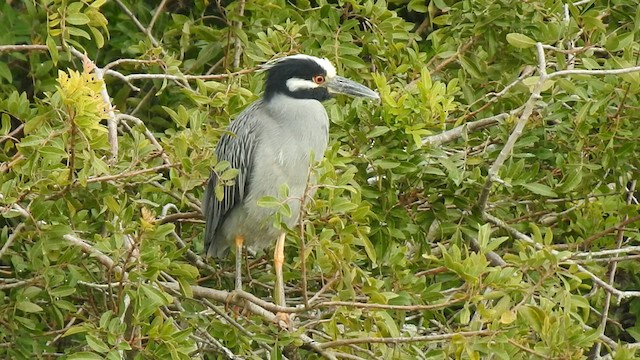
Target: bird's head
<point x="308" y="77"/>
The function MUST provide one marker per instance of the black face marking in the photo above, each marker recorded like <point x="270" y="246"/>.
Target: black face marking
<point x="284" y="70"/>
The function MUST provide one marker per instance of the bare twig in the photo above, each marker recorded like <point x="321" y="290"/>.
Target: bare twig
<point x="608" y="252"/>
<point x="528" y="70"/>
<point x="101" y="257"/>
<point x="461" y="50"/>
<point x="517" y="131"/>
<point x="148" y="134"/>
<point x="137" y="22"/>
<point x="179" y="78"/>
<point x="454" y="57"/>
<point x="112" y="122"/>
<point x="604" y="232"/>
<point x="129" y="174"/>
<point x="238" y="43"/>
<point x="493" y="257"/>
<point x="613" y="266"/>
<point x="12" y="134"/>
<point x="224" y="297"/>
<point x="594" y="72"/>
<point x="155" y="16"/>
<point x="11" y="239"/>
<point x="16" y="284"/>
<point x="457" y="132"/>
<point x="194" y="216"/>
<point x="408" y="339"/>
<point x="360" y="305"/>
<point x="129" y="61"/>
<point x="618" y="293"/>
<point x="324" y="288"/>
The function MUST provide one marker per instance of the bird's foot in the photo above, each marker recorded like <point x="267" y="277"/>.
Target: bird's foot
<point x="284" y="320"/>
<point x="234" y="299"/>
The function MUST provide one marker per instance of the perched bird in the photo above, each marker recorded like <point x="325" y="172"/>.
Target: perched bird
<point x="273" y="142"/>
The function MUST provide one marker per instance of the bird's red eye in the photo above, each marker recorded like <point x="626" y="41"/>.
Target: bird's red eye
<point x="319" y="79"/>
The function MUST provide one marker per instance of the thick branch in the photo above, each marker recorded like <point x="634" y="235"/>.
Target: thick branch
<point x="457" y="132"/>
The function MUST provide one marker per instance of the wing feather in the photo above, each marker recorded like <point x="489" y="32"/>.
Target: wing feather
<point x="238" y="149"/>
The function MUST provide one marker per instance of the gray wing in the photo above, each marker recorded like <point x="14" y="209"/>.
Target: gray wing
<point x="238" y="149"/>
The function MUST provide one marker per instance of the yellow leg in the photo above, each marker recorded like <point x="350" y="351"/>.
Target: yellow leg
<point x="239" y="242"/>
<point x="278" y="259"/>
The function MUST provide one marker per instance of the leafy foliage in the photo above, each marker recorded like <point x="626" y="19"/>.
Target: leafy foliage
<point x="486" y="243"/>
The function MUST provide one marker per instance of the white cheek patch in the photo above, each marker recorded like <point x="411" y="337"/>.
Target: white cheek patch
<point x="296" y="84"/>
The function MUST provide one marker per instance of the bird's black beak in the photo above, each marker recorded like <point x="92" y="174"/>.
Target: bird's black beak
<point x="341" y="85"/>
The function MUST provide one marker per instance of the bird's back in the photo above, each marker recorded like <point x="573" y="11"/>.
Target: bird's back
<point x="274" y="144"/>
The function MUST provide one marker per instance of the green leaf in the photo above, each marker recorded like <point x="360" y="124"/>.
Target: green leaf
<point x="5" y="72"/>
<point x="572" y="181"/>
<point x="96" y="344"/>
<point x="62" y="291"/>
<point x="84" y="356"/>
<point x="53" y="49"/>
<point x="77" y="19"/>
<point x="28" y="306"/>
<point x="76" y="330"/>
<point x="520" y="41"/>
<point x="377" y="131"/>
<point x="97" y="36"/>
<point x="78" y="32"/>
<point x="540" y="189"/>
<point x="269" y="202"/>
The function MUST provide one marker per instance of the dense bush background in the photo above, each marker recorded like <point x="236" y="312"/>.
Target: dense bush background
<point x="511" y="236"/>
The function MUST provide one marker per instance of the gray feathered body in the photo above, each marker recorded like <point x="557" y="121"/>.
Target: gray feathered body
<point x="274" y="144"/>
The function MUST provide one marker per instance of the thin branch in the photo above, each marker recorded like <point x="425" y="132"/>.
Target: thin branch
<point x="390" y="307"/>
<point x="112" y="122"/>
<point x="528" y="70"/>
<point x="225" y="297"/>
<point x="517" y="131"/>
<point x="129" y="174"/>
<point x="129" y="61"/>
<point x="16" y="284"/>
<point x="155" y="16"/>
<point x="594" y="72"/>
<point x="527" y="349"/>
<point x="179" y="78"/>
<point x="198" y="291"/>
<point x="325" y="288"/>
<point x="12" y="135"/>
<point x="238" y="43"/>
<point x="618" y="293"/>
<point x="147" y="133"/>
<point x="11" y="239"/>
<point x="493" y="257"/>
<point x="613" y="267"/>
<point x="137" y="22"/>
<point x="609" y="260"/>
<point x="457" y="132"/>
<point x="408" y="339"/>
<point x="608" y="252"/>
<point x="462" y="49"/>
<point x="192" y="215"/>
<point x="614" y="228"/>
<point x="454" y="57"/>
<point x="577" y="50"/>
<point x="99" y="255"/>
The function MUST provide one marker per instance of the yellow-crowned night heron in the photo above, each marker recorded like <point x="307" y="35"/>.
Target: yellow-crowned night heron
<point x="272" y="143"/>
